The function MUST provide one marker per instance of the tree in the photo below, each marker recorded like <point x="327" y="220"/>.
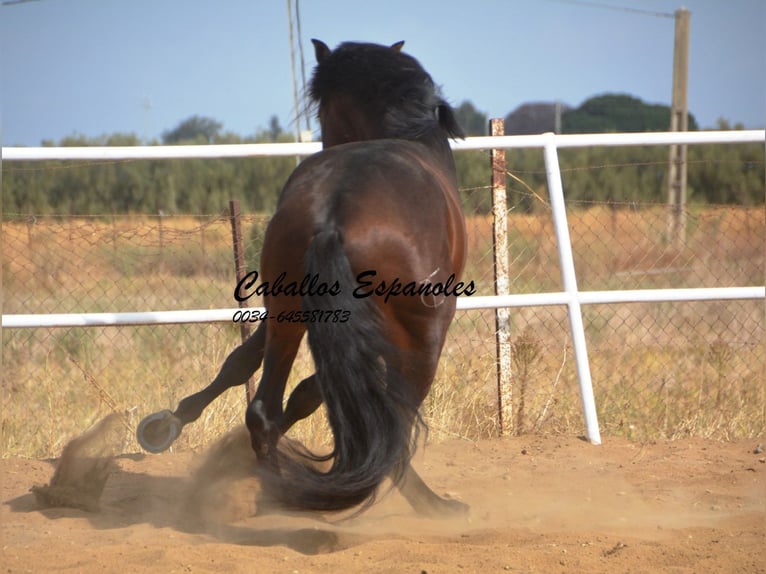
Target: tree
<point x="534" y="118"/>
<point x="618" y="113"/>
<point x="473" y="122"/>
<point x="194" y="129"/>
<point x="275" y="130"/>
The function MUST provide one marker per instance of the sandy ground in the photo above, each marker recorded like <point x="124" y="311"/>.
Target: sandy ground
<point x="539" y="504"/>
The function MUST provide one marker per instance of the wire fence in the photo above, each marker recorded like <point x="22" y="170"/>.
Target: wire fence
<point x="660" y="370"/>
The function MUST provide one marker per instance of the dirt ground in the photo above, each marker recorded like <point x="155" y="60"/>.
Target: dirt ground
<point x="539" y="504"/>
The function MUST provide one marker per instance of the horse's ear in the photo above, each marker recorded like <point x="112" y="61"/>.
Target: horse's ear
<point x="397" y="47"/>
<point x="321" y="51"/>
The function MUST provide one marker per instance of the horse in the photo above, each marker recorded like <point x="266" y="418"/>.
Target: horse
<point x="364" y="254"/>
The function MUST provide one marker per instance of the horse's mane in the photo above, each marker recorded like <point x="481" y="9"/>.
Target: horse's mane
<point x="392" y="86"/>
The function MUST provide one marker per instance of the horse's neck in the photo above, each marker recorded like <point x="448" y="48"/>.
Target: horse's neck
<point x="441" y="151"/>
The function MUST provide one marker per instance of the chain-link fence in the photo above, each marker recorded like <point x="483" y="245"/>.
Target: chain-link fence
<point x="659" y="369"/>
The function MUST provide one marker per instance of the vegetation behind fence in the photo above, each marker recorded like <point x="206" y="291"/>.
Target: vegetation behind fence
<point x="717" y="174"/>
<point x="659" y="370"/>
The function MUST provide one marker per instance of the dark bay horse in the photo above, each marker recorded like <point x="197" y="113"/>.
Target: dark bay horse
<point x="364" y="253"/>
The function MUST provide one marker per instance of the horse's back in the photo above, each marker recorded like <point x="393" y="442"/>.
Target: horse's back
<point x="382" y="191"/>
<point x="401" y="225"/>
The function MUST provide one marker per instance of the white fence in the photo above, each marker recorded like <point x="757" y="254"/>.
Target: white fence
<point x="550" y="143"/>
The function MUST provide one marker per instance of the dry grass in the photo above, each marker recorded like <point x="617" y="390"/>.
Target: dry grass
<point x="662" y="370"/>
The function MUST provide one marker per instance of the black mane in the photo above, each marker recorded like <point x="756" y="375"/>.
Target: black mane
<point x="391" y="86"/>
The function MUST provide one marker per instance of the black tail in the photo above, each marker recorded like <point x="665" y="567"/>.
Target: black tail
<point x="370" y="408"/>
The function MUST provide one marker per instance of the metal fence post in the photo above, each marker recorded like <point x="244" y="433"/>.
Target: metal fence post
<point x="556" y="193"/>
<point x="239" y="267"/>
<point x="502" y="314"/>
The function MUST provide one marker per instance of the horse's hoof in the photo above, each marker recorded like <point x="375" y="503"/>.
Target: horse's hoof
<point x="157" y="431"/>
<point x="446" y="508"/>
<point x="456" y="508"/>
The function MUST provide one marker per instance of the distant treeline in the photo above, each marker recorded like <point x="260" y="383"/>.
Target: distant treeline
<point x="179" y="186"/>
<point x="717" y="174"/>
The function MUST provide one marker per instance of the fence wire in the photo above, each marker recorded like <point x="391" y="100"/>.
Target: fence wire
<point x="660" y="370"/>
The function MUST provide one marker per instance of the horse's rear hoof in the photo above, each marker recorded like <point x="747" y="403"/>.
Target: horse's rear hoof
<point x="445" y="508"/>
<point x="156" y="432"/>
<point x="455" y="508"/>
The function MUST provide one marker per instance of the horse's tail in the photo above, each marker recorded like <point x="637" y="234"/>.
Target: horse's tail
<point x="370" y="408"/>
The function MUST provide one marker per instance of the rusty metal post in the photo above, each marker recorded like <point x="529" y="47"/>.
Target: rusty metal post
<point x="502" y="286"/>
<point x="239" y="268"/>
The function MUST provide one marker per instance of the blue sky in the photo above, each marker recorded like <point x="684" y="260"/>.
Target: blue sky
<point x="95" y="67"/>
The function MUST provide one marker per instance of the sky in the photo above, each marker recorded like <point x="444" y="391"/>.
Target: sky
<point x="96" y="67"/>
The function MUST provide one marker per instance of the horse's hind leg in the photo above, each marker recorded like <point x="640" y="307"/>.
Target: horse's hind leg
<point x="419" y="368"/>
<point x="238" y="367"/>
<point x="424" y="500"/>
<point x="158" y="431"/>
<point x="265" y="413"/>
<point x="303" y="401"/>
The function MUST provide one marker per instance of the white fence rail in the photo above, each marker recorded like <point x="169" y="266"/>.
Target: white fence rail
<point x="30" y="320"/>
<point x="303" y="149"/>
<point x="571" y="297"/>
